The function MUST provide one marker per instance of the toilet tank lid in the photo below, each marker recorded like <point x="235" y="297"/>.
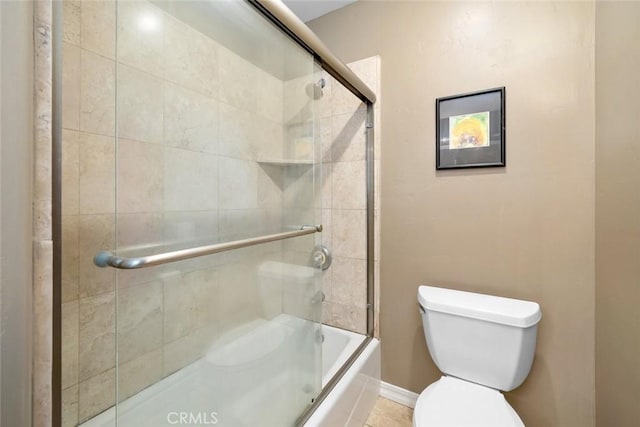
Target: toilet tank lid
<point x="506" y="311"/>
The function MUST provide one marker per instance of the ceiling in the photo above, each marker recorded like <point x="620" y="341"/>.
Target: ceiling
<point x="308" y="10"/>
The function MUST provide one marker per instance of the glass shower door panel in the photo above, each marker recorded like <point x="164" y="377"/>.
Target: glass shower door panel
<point x="215" y="143"/>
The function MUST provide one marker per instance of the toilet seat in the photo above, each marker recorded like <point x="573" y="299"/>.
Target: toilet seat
<point x="451" y="402"/>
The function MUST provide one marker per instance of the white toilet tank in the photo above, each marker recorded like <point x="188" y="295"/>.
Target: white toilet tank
<point x="484" y="339"/>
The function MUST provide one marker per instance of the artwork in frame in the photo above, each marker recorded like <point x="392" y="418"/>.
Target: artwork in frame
<point x="470" y="130"/>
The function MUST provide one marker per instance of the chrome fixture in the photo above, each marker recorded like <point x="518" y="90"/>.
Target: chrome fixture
<point x="107" y="259"/>
<point x="321" y="257"/>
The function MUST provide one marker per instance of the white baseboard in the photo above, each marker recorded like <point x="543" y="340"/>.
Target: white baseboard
<point x="398" y="394"/>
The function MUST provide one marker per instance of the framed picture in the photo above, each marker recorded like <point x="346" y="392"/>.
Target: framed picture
<point x="470" y="130"/>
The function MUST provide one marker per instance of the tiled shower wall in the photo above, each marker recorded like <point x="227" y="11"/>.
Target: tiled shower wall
<point x="184" y="121"/>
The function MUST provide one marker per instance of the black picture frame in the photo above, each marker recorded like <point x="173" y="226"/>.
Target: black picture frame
<point x="478" y="121"/>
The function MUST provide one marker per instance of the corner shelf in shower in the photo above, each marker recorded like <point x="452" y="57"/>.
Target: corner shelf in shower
<point x="285" y="162"/>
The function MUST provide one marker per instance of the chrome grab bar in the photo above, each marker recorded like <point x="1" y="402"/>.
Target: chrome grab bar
<point x="107" y="259"/>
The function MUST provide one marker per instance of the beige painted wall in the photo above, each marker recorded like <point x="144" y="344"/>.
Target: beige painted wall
<point x="16" y="137"/>
<point x="617" y="213"/>
<point x="524" y="231"/>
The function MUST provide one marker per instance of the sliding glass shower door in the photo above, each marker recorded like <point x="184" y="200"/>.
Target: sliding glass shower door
<point x="195" y="182"/>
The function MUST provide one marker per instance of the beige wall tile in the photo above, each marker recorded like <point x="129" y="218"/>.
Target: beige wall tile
<point x="97" y="93"/>
<point x="141" y="36"/>
<point x="326" y="218"/>
<point x="70" y="349"/>
<point x="96" y="394"/>
<point x="42" y="392"/>
<point x="269" y="96"/>
<point x="190" y="302"/>
<point x="70" y="172"/>
<point x="327" y="98"/>
<point x="269" y="220"/>
<point x="237" y="135"/>
<point x="42" y="147"/>
<point x="98" y="27"/>
<point x="239" y="81"/>
<point x="71" y="79"/>
<point x="42" y="215"/>
<point x="70" y="407"/>
<point x="139" y="373"/>
<point x="237" y="223"/>
<point x="349" y="317"/>
<point x="185" y="350"/>
<point x="293" y="217"/>
<point x="190" y="58"/>
<point x="349" y="286"/>
<point x="140" y="176"/>
<point x="349" y="233"/>
<point x="42" y="332"/>
<point x="299" y="187"/>
<point x="238" y="184"/>
<point x="325" y="173"/>
<point x="97" y="342"/>
<point x="267" y="138"/>
<point x="97" y="173"/>
<point x="187" y="174"/>
<point x="139" y="329"/>
<point x="296" y="300"/>
<point x="139" y="105"/>
<point x="325" y="139"/>
<point x="71" y="22"/>
<point x="348" y="137"/>
<point x="190" y="119"/>
<point x="349" y="190"/>
<point x="343" y="101"/>
<point x="238" y="301"/>
<point x="270" y="186"/>
<point x="95" y="233"/>
<point x="178" y="321"/>
<point x="298" y="106"/>
<point x="70" y="257"/>
<point x="327" y="286"/>
<point x="327" y="316"/>
<point x="368" y="70"/>
<point x="299" y="138"/>
<point x="188" y="227"/>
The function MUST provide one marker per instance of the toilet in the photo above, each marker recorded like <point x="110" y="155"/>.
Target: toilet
<point x="483" y="345"/>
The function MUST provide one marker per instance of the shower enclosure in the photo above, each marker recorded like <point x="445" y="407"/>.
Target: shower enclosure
<point x="215" y="210"/>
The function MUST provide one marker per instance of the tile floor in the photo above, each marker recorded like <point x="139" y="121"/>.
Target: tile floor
<point x="390" y="414"/>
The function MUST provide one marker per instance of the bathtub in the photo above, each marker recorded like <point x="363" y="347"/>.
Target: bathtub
<point x="352" y="398"/>
<point x="196" y="386"/>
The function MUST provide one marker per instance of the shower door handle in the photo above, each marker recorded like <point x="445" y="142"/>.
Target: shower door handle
<point x="107" y="259"/>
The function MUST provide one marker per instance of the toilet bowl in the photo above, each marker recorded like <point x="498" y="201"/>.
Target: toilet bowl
<point x="483" y="344"/>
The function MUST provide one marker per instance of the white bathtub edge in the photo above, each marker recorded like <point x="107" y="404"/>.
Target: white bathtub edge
<point x="398" y="394"/>
<point x="353" y="398"/>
